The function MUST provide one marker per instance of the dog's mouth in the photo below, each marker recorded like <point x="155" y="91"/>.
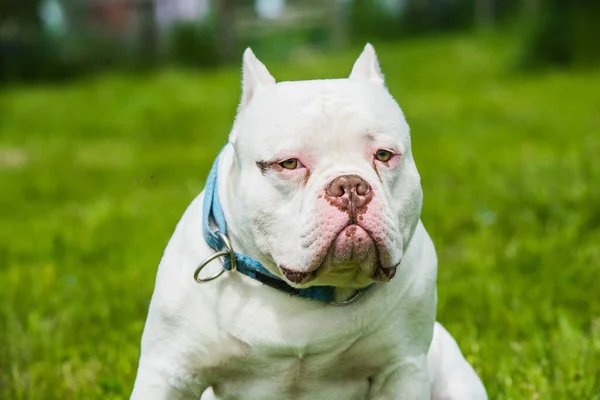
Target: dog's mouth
<point x="353" y="252"/>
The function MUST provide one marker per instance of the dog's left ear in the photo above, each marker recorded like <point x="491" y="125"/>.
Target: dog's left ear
<point x="366" y="67"/>
<point x="255" y="76"/>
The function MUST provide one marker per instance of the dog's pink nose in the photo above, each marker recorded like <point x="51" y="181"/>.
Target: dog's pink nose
<point x="349" y="193"/>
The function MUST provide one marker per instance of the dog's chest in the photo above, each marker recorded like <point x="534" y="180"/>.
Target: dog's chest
<point x="251" y="371"/>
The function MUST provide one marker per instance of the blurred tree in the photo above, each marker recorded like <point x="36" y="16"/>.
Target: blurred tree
<point x="375" y="19"/>
<point x="193" y="45"/>
<point x="565" y="33"/>
<point x="226" y="35"/>
<point x="148" y="34"/>
<point x="369" y="20"/>
<point x="24" y="11"/>
<point x="23" y="46"/>
<point x="531" y="8"/>
<point x="484" y="13"/>
<point x="339" y="24"/>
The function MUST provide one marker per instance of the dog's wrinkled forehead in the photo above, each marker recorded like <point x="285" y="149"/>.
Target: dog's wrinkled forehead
<point x="273" y="115"/>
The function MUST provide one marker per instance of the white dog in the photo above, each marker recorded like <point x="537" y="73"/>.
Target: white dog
<point x="331" y="291"/>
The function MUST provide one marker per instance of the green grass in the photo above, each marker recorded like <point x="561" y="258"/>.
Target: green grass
<point x="95" y="175"/>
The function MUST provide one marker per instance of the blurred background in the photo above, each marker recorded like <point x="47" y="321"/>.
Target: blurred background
<point x="60" y="39"/>
<point x="112" y="111"/>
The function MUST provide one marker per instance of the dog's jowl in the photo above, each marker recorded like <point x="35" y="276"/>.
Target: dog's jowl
<point x="303" y="271"/>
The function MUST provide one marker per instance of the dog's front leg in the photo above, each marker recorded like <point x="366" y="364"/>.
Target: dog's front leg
<point x="160" y="380"/>
<point x="165" y="371"/>
<point x="409" y="381"/>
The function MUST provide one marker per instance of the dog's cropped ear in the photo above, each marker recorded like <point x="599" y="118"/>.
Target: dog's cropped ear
<point x="255" y="76"/>
<point x="366" y="67"/>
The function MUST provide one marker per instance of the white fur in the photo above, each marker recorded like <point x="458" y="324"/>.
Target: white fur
<point x="234" y="338"/>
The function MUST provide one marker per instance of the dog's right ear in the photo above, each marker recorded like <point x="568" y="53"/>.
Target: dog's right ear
<point x="366" y="67"/>
<point x="255" y="76"/>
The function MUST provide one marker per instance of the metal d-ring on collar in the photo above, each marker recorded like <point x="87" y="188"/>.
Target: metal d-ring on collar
<point x="217" y="239"/>
<point x="351" y="300"/>
<point x="228" y="251"/>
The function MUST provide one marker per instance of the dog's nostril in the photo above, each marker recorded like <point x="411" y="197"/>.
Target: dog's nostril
<point x="336" y="188"/>
<point x="363" y="188"/>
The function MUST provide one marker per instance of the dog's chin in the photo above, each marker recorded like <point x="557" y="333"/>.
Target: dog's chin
<point x="352" y="261"/>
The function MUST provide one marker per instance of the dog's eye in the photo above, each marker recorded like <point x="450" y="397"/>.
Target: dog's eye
<point x="291" y="163"/>
<point x="383" y="155"/>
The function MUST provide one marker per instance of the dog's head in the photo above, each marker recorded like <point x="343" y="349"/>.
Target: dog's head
<point x="323" y="187"/>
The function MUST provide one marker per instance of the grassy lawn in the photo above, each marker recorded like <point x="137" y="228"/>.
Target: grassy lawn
<point x="94" y="176"/>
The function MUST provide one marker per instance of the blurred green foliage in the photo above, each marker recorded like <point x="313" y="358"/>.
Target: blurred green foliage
<point x="193" y="45"/>
<point x="565" y="33"/>
<point x="95" y="175"/>
<point x="370" y="20"/>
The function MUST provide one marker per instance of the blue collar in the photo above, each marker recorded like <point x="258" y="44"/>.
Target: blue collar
<point x="246" y="265"/>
